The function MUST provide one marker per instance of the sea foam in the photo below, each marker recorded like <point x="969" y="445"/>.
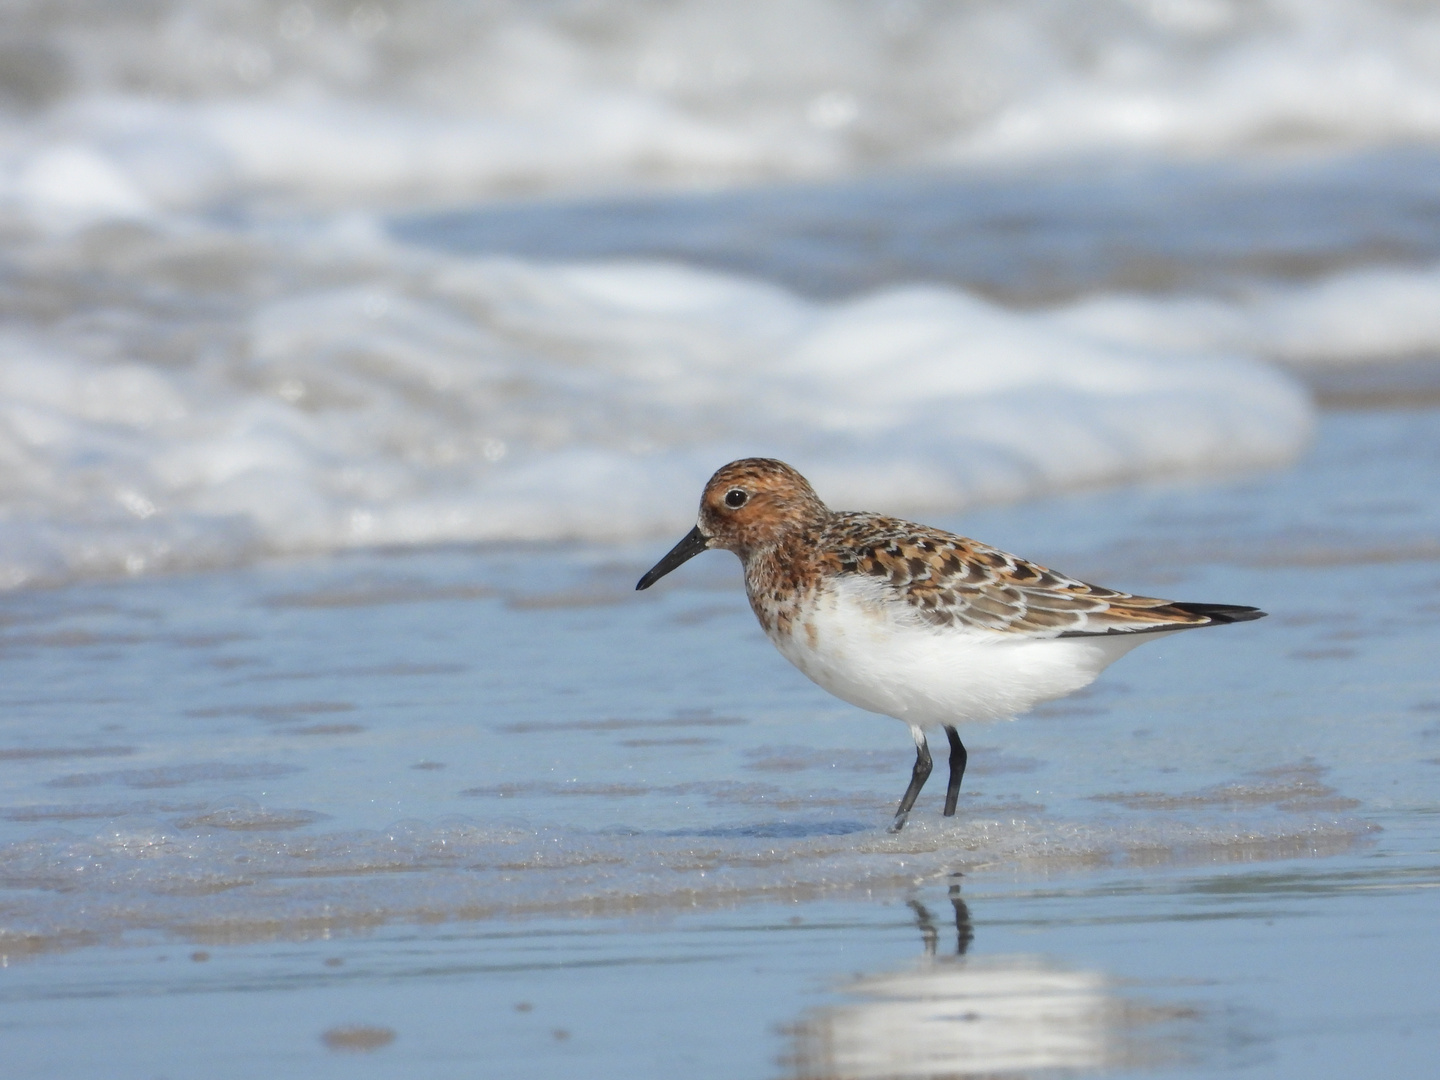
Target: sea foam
<point x="107" y="110"/>
<point x="212" y="354"/>
<point x="220" y="397"/>
<point x="1358" y="316"/>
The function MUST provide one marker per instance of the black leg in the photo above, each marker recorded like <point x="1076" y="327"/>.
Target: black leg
<point x="958" y="757"/>
<point x="918" y="776"/>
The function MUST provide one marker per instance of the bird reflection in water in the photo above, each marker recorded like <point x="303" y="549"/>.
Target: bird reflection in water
<point x="964" y="932"/>
<point x="960" y="1015"/>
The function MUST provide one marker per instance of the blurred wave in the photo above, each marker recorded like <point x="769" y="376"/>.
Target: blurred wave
<point x="215" y="348"/>
<point x="213" y="398"/>
<point x="162" y="105"/>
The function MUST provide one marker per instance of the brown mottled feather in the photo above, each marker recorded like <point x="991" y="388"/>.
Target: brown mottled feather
<point x="954" y="581"/>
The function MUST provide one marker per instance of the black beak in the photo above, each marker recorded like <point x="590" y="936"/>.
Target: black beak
<point x="694" y="543"/>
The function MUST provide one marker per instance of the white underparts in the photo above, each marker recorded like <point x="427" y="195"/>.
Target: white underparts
<point x="866" y="647"/>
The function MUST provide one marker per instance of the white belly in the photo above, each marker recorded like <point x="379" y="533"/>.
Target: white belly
<point x="881" y="656"/>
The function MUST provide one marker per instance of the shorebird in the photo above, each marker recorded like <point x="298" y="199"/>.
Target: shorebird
<point x="934" y="629"/>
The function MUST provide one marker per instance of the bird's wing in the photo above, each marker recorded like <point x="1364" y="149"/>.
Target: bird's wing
<point x="952" y="581"/>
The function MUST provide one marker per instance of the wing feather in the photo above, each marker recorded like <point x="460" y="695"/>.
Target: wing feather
<point x="952" y="581"/>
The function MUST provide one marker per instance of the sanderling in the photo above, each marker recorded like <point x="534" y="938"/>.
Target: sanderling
<point x="916" y="623"/>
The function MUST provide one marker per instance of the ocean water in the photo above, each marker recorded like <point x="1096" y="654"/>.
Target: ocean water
<point x="356" y="358"/>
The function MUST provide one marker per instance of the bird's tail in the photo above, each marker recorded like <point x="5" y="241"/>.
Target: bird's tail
<point x="1222" y="613"/>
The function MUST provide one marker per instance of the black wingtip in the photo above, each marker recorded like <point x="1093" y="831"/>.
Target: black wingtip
<point x="1221" y="614"/>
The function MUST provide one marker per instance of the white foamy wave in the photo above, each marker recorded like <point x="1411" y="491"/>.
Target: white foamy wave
<point x="1353" y="317"/>
<point x="219" y="397"/>
<point x="120" y="111"/>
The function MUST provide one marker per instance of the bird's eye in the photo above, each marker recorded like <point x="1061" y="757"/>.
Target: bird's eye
<point x="735" y="498"/>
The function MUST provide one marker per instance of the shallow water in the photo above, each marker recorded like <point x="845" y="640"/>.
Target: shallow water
<point x="474" y="780"/>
